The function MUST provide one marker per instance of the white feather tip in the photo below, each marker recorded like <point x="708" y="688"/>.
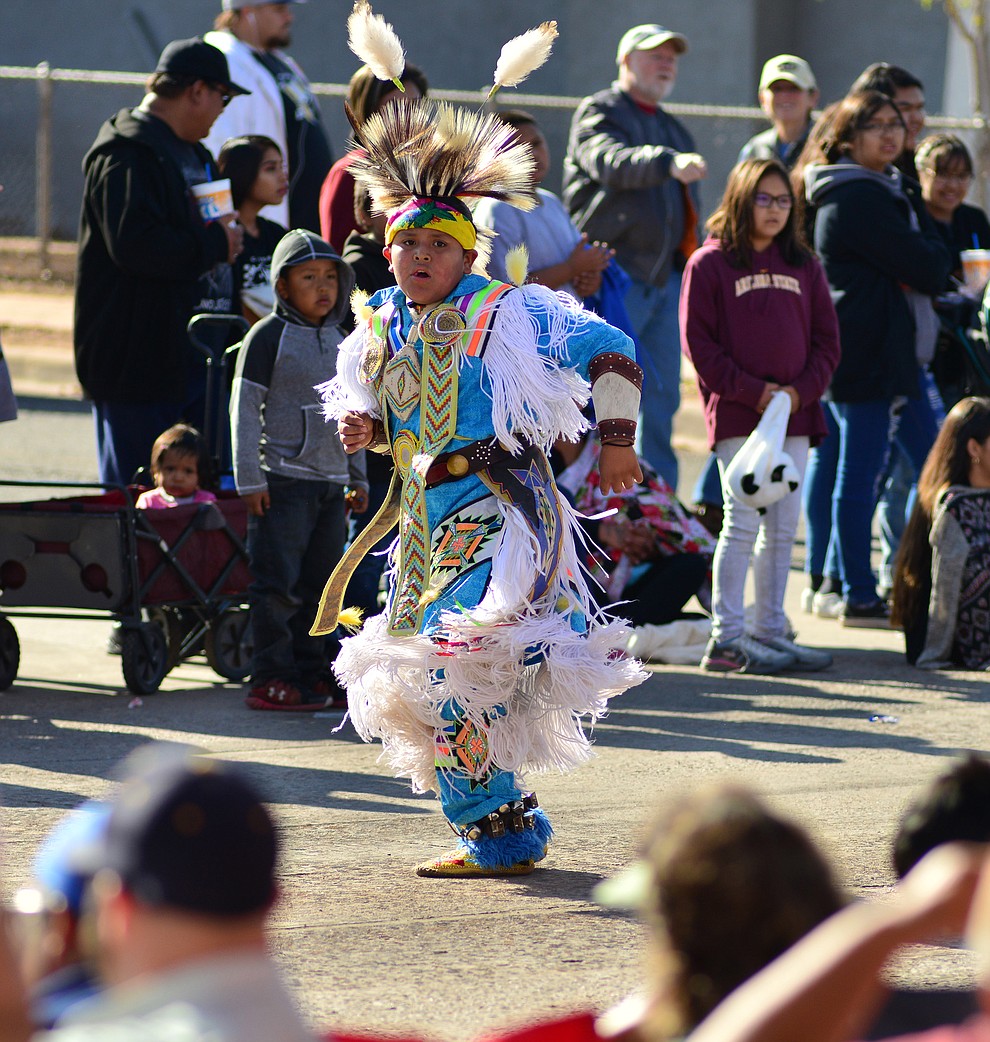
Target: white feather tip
<point x="523" y="55"/>
<point x="374" y="41"/>
<point x="517" y="264"/>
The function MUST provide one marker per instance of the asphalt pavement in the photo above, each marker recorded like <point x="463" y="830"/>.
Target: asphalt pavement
<point x="364" y="943"/>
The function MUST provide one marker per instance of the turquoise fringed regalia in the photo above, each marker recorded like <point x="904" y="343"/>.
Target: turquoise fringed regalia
<point x="490" y="651"/>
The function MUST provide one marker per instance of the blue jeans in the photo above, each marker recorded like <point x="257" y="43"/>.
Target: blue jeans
<point x="708" y="488"/>
<point x="125" y="432"/>
<point x="292" y="549"/>
<point x="653" y="313"/>
<point x="819" y="484"/>
<point x="897" y="497"/>
<point x="866" y="432"/>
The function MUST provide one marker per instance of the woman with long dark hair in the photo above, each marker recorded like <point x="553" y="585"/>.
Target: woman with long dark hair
<point x="884" y="261"/>
<point x="942" y="580"/>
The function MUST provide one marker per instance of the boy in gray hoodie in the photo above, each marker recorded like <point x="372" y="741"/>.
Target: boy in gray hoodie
<point x="292" y="472"/>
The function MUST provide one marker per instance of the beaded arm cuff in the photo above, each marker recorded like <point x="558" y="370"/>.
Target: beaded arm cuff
<point x="616" y="382"/>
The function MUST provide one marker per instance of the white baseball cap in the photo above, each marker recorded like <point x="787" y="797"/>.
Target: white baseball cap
<point x="236" y="5"/>
<point x="788" y="67"/>
<point x="646" y="37"/>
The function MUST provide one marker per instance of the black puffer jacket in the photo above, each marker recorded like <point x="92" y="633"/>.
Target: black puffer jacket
<point x="870" y="247"/>
<point x="142" y="250"/>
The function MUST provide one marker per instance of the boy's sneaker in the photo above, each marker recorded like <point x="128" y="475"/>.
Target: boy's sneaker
<point x="874" y="616"/>
<point x="281" y="695"/>
<point x="744" y="655"/>
<point x="805" y="658"/>
<point x="827" y="605"/>
<point x="808" y="601"/>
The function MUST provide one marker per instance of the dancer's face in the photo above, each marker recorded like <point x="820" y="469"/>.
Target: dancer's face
<point x="428" y="264"/>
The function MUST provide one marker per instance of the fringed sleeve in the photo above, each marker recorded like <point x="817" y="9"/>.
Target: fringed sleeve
<point x="348" y="391"/>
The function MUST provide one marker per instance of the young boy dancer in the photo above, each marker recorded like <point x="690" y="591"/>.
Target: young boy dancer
<point x="490" y="649"/>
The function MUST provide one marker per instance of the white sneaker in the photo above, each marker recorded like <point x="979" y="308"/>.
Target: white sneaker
<point x="744" y="654"/>
<point x="827" y="605"/>
<point x="808" y="601"/>
<point x="805" y="659"/>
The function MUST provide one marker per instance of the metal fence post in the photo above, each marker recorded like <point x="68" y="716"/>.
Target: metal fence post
<point x="43" y="171"/>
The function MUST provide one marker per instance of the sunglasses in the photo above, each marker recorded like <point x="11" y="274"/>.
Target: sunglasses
<point x="222" y="91"/>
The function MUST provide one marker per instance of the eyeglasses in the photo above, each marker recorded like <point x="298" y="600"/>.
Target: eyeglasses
<point x="224" y="96"/>
<point x="956" y="179"/>
<point x="893" y="127"/>
<point x="764" y="200"/>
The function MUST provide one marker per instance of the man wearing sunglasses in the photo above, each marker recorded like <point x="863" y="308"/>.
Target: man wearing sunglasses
<point x="147" y="259"/>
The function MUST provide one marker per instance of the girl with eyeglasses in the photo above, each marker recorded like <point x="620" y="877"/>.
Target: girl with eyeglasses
<point x="756" y="318"/>
<point x="942" y="581"/>
<point x="945" y="170"/>
<point x="884" y="261"/>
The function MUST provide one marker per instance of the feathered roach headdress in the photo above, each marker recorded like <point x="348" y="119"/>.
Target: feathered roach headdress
<point x="428" y="162"/>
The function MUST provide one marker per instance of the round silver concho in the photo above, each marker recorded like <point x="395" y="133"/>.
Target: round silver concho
<point x="372" y="359"/>
<point x="442" y="325"/>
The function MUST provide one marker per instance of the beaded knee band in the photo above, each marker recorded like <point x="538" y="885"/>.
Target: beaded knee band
<point x="510" y="817"/>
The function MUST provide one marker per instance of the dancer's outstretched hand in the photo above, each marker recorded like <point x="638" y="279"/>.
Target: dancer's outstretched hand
<point x="619" y="468"/>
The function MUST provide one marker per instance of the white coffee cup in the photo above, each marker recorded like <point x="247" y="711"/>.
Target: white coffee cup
<point x="214" y="199"/>
<point x="976" y="270"/>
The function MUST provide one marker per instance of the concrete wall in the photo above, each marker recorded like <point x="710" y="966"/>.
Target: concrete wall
<point x="729" y="41"/>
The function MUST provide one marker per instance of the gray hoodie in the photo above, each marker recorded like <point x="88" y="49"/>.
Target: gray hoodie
<point x="276" y="419"/>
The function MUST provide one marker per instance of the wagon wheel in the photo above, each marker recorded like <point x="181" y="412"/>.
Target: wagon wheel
<point x="144" y="658"/>
<point x="10" y="653"/>
<point x="228" y="644"/>
<point x="170" y="623"/>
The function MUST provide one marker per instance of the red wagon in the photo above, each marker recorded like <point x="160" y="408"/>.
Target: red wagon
<point x="176" y="580"/>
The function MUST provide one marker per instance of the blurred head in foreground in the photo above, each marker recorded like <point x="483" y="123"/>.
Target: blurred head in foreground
<point x="726" y="885"/>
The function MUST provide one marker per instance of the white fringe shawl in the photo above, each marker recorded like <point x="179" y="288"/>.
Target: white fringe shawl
<point x="393" y="693"/>
<point x="532" y="394"/>
<point x="347" y="392"/>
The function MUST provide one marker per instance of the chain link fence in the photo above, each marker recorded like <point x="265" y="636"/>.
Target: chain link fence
<point x="41" y="170"/>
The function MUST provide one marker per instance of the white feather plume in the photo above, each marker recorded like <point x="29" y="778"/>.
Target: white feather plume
<point x="375" y="42"/>
<point x="523" y="55"/>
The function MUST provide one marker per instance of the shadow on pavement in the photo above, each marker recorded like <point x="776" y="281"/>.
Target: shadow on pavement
<point x="66" y="734"/>
<point x="687" y="711"/>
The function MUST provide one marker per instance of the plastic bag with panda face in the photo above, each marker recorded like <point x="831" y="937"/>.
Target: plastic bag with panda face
<point x="761" y="473"/>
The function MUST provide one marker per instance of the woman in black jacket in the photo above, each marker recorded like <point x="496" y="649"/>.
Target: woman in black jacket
<point x="883" y="260"/>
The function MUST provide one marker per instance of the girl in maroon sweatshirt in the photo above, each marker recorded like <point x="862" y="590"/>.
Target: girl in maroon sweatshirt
<point x="756" y="317"/>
